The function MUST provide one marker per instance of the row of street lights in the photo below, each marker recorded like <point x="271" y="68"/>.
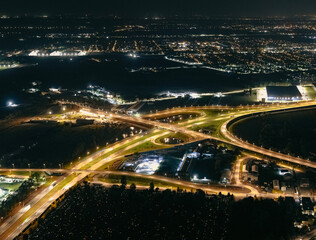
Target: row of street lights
<point x="61" y="165"/>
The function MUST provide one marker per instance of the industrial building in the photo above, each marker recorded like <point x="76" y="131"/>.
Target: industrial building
<point x="283" y="93"/>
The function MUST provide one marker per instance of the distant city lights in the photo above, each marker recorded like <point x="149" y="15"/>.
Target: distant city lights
<point x="183" y="94"/>
<point x="133" y="55"/>
<point x="11" y="104"/>
<point x="38" y="53"/>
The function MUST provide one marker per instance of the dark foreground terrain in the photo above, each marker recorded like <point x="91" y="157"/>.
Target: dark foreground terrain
<point x="94" y="212"/>
<point x="54" y="144"/>
<point x="292" y="133"/>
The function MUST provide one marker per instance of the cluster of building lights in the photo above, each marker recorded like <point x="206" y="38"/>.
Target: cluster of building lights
<point x="11" y="104"/>
<point x="149" y="165"/>
<point x="191" y="94"/>
<point x="38" y="53"/>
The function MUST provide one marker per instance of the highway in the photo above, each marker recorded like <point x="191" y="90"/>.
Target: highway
<point x="266" y="152"/>
<point x="233" y="140"/>
<point x="12" y="226"/>
<point x="92" y="163"/>
<point x="229" y="138"/>
<point x="239" y="189"/>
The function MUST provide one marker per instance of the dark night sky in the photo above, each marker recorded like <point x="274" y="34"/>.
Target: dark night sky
<point x="151" y="8"/>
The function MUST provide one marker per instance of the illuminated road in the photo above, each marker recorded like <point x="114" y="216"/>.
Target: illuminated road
<point x="229" y="138"/>
<point x="236" y="190"/>
<point x="238" y="142"/>
<point x="242" y="144"/>
<point x="12" y="226"/>
<point x="13" y="219"/>
<point x="233" y="140"/>
<point x="16" y="223"/>
<point x="237" y="174"/>
<point x="241" y="191"/>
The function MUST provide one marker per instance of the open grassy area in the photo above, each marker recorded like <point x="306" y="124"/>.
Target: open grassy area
<point x="215" y="113"/>
<point x="19" y="173"/>
<point x="144" y="147"/>
<point x="10" y="186"/>
<point x="177" y="135"/>
<point x="176" y="117"/>
<point x="311" y="91"/>
<point x="116" y="179"/>
<point x="213" y="126"/>
<point x="54" y="144"/>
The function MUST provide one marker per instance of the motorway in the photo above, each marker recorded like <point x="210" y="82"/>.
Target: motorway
<point x="229" y="138"/>
<point x="12" y="226"/>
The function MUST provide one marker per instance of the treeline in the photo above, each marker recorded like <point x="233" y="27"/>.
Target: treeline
<point x="95" y="212"/>
<point x="287" y="137"/>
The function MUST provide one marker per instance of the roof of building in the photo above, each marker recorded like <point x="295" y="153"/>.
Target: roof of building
<point x="283" y="92"/>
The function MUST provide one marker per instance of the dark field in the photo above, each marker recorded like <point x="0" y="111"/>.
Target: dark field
<point x="53" y="144"/>
<point x="293" y="133"/>
<point x="113" y="73"/>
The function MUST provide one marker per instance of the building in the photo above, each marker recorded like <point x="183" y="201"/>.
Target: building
<point x="254" y="168"/>
<point x="226" y="176"/>
<point x="251" y="177"/>
<point x="276" y="184"/>
<point x="283" y="93"/>
<point x="283" y="187"/>
<point x="245" y="168"/>
<point x="283" y="171"/>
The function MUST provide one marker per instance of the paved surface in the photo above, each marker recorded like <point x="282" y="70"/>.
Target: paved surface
<point x="16" y="223"/>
